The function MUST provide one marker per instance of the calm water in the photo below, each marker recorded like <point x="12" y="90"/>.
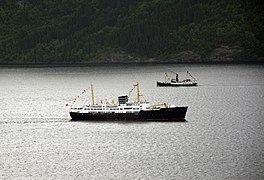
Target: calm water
<point x="223" y="137"/>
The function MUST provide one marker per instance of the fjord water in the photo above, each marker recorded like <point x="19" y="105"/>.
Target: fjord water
<point x="222" y="138"/>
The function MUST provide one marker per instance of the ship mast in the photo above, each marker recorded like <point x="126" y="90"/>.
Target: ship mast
<point x="138" y="93"/>
<point x="138" y="96"/>
<point x="92" y="92"/>
<point x="191" y="75"/>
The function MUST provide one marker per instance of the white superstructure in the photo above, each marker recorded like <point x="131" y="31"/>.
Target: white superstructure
<point x="123" y="105"/>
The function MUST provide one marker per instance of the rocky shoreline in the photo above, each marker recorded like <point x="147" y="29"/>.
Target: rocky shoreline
<point x="147" y="62"/>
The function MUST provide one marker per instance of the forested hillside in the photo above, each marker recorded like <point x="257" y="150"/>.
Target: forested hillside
<point x="84" y="31"/>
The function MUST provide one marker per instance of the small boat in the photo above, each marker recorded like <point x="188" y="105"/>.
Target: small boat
<point x="176" y="82"/>
<point x="128" y="110"/>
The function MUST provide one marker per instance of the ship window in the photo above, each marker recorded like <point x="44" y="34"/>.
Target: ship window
<point x="128" y="108"/>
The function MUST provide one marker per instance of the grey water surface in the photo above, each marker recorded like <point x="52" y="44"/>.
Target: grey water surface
<point x="223" y="137"/>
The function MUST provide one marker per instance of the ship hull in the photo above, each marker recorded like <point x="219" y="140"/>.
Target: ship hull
<point x="164" y="114"/>
<point x="160" y="84"/>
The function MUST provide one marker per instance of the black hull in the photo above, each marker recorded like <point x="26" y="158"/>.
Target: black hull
<point x="164" y="114"/>
<point x="162" y="84"/>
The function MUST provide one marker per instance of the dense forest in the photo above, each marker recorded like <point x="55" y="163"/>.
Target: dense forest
<point x="88" y="31"/>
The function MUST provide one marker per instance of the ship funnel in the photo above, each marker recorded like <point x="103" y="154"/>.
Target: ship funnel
<point x="122" y="99"/>
<point x="177" y="77"/>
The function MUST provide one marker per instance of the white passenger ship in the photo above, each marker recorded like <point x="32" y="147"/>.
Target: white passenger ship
<point x="125" y="110"/>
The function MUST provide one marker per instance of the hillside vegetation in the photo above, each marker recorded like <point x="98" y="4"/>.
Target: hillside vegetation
<point x="94" y="31"/>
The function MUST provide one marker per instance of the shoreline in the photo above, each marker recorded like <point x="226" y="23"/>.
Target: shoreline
<point x="50" y="65"/>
